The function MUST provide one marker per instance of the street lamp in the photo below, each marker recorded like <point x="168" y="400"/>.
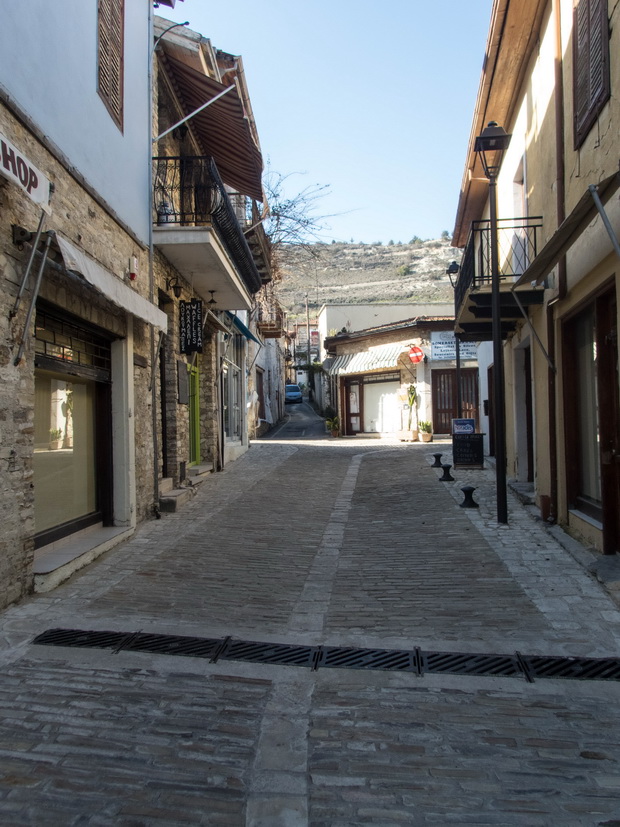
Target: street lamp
<point x="491" y="146"/>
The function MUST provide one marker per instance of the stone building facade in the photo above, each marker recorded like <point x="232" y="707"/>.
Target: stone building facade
<point x="551" y="79"/>
<point x="369" y="374"/>
<point x="77" y="317"/>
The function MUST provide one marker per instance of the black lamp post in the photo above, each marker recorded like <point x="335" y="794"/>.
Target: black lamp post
<point x="490" y="146"/>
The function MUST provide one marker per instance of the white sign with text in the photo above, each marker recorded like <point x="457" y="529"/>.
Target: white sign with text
<point x="443" y="347"/>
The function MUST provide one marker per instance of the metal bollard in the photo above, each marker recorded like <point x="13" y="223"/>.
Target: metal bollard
<point x="468" y="502"/>
<point x="446" y="474"/>
<point x="437" y="463"/>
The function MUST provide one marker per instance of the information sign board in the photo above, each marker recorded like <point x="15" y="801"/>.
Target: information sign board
<point x="468" y="450"/>
<point x="443" y="347"/>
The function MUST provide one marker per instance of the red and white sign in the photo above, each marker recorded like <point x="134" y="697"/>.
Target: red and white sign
<point x="17" y="168"/>
<point x="416" y="354"/>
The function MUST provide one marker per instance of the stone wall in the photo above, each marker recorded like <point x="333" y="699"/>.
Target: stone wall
<point x="82" y="219"/>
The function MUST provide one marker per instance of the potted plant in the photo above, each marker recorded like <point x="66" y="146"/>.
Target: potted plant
<point x="55" y="437"/>
<point x="426" y="431"/>
<point x="333" y="425"/>
<point x="410" y="434"/>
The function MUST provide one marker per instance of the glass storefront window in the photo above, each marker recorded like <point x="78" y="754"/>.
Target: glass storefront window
<point x="64" y="455"/>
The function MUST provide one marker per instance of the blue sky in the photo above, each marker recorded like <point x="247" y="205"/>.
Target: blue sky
<point x="374" y="99"/>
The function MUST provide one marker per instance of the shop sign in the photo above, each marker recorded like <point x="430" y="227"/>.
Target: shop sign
<point x="17" y="168"/>
<point x="443" y="347"/>
<point x="190" y="326"/>
<point x="463" y="426"/>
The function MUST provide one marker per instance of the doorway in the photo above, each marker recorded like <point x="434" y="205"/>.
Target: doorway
<point x="592" y="415"/>
<point x="72" y="461"/>
<point x="194" y="415"/>
<point x="524" y="417"/>
<point x="444" y="398"/>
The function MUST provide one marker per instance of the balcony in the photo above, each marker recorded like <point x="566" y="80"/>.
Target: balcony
<point x="196" y="228"/>
<point x="271" y="322"/>
<point x="517" y="243"/>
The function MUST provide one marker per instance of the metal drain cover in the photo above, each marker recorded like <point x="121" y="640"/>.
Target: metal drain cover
<point x="413" y="660"/>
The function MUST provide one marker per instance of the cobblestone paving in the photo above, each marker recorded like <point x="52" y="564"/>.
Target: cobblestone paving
<point x="340" y="542"/>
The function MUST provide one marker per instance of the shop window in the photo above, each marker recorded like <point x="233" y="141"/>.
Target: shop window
<point x="72" y="423"/>
<point x="591" y="85"/>
<point x="64" y="452"/>
<point x="232" y="387"/>
<point x="110" y="25"/>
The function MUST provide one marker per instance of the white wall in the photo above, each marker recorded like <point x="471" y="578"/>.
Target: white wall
<point x="48" y="65"/>
<point x="271" y="360"/>
<point x="485" y="360"/>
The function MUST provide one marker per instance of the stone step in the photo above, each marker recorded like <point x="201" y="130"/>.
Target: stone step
<point x="165" y="485"/>
<point x="175" y="499"/>
<point x="199" y="473"/>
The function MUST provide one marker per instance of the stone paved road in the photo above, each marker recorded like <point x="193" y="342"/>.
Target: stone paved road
<point x="331" y="542"/>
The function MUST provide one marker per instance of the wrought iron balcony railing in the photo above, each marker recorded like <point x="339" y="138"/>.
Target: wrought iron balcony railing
<point x="189" y="192"/>
<point x="271" y="321"/>
<point x="517" y="248"/>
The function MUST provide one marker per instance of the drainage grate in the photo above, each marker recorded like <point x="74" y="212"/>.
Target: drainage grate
<point x="279" y="653"/>
<point x="456" y="663"/>
<point x="341" y="658"/>
<point x="585" y="669"/>
<point x="414" y="660"/>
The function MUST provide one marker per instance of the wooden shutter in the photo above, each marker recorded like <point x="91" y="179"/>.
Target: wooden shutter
<point x="591" y="86"/>
<point x="110" y="56"/>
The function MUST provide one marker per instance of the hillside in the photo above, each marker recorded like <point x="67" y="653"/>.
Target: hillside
<point x="365" y="273"/>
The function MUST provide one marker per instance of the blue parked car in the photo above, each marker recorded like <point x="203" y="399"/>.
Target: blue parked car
<point x="292" y="393"/>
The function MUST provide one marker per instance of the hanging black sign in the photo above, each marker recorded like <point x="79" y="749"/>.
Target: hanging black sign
<point x="190" y="326"/>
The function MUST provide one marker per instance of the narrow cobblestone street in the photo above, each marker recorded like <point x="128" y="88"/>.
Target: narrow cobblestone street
<point x="317" y="542"/>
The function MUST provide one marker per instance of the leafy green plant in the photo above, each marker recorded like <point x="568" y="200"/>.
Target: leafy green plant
<point x="333" y="423"/>
<point x="425" y="427"/>
<point x="55" y="433"/>
<point x="412" y="399"/>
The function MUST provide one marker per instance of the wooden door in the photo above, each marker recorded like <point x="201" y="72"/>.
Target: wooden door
<point x="353" y="406"/>
<point x="444" y="398"/>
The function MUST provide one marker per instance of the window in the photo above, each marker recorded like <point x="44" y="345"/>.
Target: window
<point x="232" y="387"/>
<point x="591" y="87"/>
<point x="110" y="56"/>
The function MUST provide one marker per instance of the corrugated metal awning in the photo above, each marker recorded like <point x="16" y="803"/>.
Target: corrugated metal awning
<point x="223" y="129"/>
<point x="110" y="285"/>
<point x="382" y="357"/>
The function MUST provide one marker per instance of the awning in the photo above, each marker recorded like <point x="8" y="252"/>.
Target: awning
<point x="110" y="285"/>
<point x="245" y="331"/>
<point x="382" y="357"/>
<point x="222" y="128"/>
<point x="568" y="232"/>
<point x="212" y="321"/>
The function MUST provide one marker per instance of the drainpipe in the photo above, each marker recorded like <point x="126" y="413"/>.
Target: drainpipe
<point x="560" y="166"/>
<point x="552" y="388"/>
<point x="154" y="351"/>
